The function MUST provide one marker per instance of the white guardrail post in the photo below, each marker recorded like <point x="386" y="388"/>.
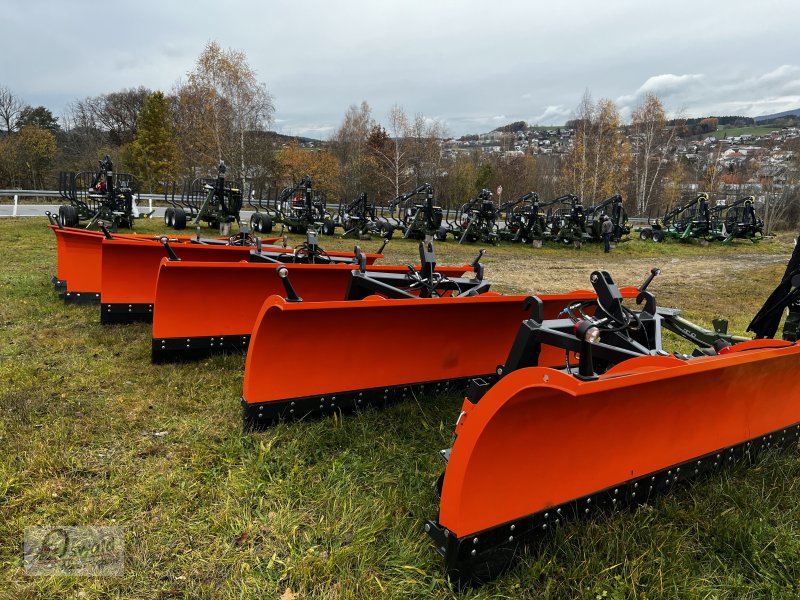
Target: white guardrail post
<point x="16" y="200"/>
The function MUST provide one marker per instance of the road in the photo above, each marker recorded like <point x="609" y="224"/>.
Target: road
<point x="39" y="210"/>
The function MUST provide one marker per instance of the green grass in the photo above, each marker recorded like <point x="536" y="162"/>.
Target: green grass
<point x="331" y="508"/>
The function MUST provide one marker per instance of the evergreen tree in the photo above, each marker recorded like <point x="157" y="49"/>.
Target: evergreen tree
<point x="153" y="155"/>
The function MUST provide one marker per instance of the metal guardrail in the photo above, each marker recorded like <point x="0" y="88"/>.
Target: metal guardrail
<point x="15" y="195"/>
<point x="54" y="194"/>
<point x="150" y="198"/>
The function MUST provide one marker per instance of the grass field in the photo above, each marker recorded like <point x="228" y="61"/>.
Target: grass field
<point x="92" y="434"/>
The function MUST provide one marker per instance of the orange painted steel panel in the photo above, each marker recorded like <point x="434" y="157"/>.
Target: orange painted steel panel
<point x="78" y="256"/>
<point x="79" y="259"/>
<point x="130" y="269"/>
<point x="196" y="299"/>
<point x="424" y="340"/>
<point x="540" y="437"/>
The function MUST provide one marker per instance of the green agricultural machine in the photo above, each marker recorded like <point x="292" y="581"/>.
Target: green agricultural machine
<point x="476" y="220"/>
<point x="417" y="220"/>
<point x="697" y="220"/>
<point x="215" y="201"/>
<point x="568" y="223"/>
<point x="97" y="197"/>
<point x="359" y="220"/>
<point x="611" y="207"/>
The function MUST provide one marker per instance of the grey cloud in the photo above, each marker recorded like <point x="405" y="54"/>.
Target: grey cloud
<point x="466" y="61"/>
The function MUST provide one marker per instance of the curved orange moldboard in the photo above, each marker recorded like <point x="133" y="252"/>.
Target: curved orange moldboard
<point x="130" y="269"/>
<point x="540" y="438"/>
<point x="196" y="299"/>
<point x="423" y="341"/>
<point x="79" y="259"/>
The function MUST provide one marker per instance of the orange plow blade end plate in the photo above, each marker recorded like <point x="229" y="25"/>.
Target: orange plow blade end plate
<point x="431" y="346"/>
<point x="202" y="308"/>
<point x="78" y="269"/>
<point x="541" y="446"/>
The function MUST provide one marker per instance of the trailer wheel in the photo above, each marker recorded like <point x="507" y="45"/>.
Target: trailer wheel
<point x="386" y="231"/>
<point x="645" y="234"/>
<point x="658" y="236"/>
<point x="441" y="234"/>
<point x="169" y="217"/>
<point x="255" y="223"/>
<point x="73" y="220"/>
<point x="69" y="215"/>
<point x="266" y="224"/>
<point x="179" y="221"/>
<point x="328" y="228"/>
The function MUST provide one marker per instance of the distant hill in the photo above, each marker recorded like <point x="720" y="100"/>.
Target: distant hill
<point x="795" y="112"/>
<point x="280" y="138"/>
<point x="512" y="127"/>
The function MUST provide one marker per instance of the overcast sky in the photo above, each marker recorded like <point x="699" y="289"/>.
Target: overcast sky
<point x="473" y="64"/>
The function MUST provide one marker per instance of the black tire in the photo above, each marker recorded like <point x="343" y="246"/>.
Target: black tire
<point x="68" y="215"/>
<point x="441" y="234"/>
<point x="73" y="220"/>
<point x="255" y="223"/>
<point x="329" y="228"/>
<point x="658" y="236"/>
<point x="645" y="234"/>
<point x="386" y="231"/>
<point x="266" y="224"/>
<point x="169" y="217"/>
<point x="180" y="219"/>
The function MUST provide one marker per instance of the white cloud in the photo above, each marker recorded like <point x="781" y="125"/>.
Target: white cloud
<point x="553" y="115"/>
<point x="721" y="93"/>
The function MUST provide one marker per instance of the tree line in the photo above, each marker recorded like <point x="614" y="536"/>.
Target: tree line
<point x="221" y="111"/>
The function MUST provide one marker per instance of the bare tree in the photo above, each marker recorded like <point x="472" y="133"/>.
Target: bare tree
<point x="10" y="108"/>
<point x="597" y="165"/>
<point x="238" y="103"/>
<point x="350" y="144"/>
<point x="425" y="155"/>
<point x="652" y="141"/>
<point x="114" y="114"/>
<point x="393" y="153"/>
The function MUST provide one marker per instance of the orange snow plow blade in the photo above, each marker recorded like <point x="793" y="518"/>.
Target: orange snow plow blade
<point x="201" y="308"/>
<point x="130" y="272"/>
<point x="79" y="260"/>
<point x="341" y="331"/>
<point x="620" y="422"/>
<point x="541" y="446"/>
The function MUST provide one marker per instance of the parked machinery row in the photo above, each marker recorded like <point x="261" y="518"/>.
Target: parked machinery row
<point x="698" y="220"/>
<point x="417" y="215"/>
